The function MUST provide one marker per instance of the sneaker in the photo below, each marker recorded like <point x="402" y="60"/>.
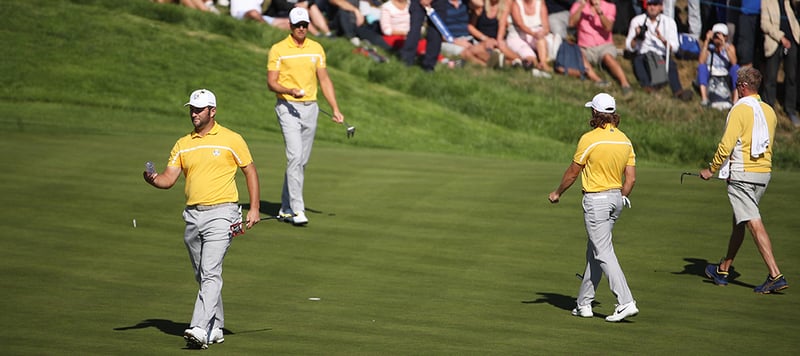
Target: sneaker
<point x="704" y="103"/>
<point x="196" y="338"/>
<point x="496" y="59"/>
<point x="225" y="3"/>
<point x="623" y="311"/>
<point x="355" y="41"/>
<point x="583" y="311"/>
<point x="516" y="63"/>
<point x="719" y="277"/>
<point x="721" y="105"/>
<point x="602" y="84"/>
<point x="537" y="73"/>
<point x="300" y="219"/>
<point x="285" y="215"/>
<point x="684" y="95"/>
<point x="772" y="285"/>
<point x="216" y="337"/>
<point x="627" y="92"/>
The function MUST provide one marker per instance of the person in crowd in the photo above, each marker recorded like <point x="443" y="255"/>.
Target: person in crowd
<point x="570" y="61"/>
<point x="484" y="26"/>
<point x="456" y="18"/>
<point x="744" y="159"/>
<point x="207" y="6"/>
<point x="418" y="16"/>
<point x="558" y="16"/>
<point x="653" y="37"/>
<point x="395" y="22"/>
<point x="208" y="158"/>
<point x="606" y="162"/>
<point x="594" y="20"/>
<point x="749" y="36"/>
<point x="781" y="37"/>
<point x="354" y="25"/>
<point x="295" y="66"/>
<point x="717" y="59"/>
<point x="252" y="10"/>
<point x="528" y="35"/>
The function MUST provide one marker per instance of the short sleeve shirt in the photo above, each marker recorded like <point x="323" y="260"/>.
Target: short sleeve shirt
<point x="590" y="30"/>
<point x="209" y="164"/>
<point x="297" y="66"/>
<point x="603" y="153"/>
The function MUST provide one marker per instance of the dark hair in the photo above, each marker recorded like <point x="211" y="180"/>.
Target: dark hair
<point x="600" y="119"/>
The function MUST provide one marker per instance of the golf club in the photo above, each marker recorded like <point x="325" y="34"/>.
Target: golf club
<point x="729" y="180"/>
<point x="351" y="130"/>
<point x="269" y="217"/>
<point x="579" y="276"/>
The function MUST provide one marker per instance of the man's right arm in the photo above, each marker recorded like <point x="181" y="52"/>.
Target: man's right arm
<point x="165" y="180"/>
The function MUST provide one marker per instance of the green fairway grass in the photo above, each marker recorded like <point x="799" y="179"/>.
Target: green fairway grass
<point x="430" y="231"/>
<point x="409" y="254"/>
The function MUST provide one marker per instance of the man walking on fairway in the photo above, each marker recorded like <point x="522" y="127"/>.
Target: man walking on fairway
<point x="603" y="156"/>
<point x="744" y="157"/>
<point x="208" y="157"/>
<point x="294" y="66"/>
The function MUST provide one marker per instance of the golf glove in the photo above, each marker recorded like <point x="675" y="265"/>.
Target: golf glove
<point x="626" y="202"/>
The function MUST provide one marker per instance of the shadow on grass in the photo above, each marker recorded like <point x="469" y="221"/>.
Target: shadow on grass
<point x="561" y="301"/>
<point x="697" y="267"/>
<point x="270" y="208"/>
<point x="170" y="327"/>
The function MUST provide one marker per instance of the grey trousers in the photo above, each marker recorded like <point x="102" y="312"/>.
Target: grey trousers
<point x="207" y="238"/>
<point x="600" y="212"/>
<point x="298" y="122"/>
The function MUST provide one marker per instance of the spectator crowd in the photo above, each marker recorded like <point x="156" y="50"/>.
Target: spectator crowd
<point x="569" y="37"/>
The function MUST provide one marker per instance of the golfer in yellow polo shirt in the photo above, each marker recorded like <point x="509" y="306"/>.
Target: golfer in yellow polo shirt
<point x="294" y="67"/>
<point x="209" y="157"/>
<point x="606" y="163"/>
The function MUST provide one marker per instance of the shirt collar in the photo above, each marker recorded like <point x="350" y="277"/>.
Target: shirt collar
<point x="214" y="131"/>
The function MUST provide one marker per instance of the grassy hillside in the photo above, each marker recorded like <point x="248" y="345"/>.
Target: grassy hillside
<point x="141" y="59"/>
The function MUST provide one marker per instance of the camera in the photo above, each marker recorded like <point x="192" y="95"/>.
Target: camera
<point x="642" y="32"/>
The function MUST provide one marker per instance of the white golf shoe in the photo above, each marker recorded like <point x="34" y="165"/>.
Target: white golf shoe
<point x="583" y="311"/>
<point x="623" y="311"/>
<point x="300" y="219"/>
<point x="216" y="337"/>
<point x="196" y="338"/>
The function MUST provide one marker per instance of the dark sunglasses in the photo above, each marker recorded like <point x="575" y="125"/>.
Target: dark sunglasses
<point x="300" y="25"/>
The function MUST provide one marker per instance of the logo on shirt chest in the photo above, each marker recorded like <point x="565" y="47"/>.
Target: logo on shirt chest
<point x="215" y="152"/>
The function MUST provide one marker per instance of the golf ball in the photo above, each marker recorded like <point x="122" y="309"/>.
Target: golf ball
<point x="302" y="92"/>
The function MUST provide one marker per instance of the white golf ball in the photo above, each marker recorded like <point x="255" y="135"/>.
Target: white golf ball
<point x="302" y="92"/>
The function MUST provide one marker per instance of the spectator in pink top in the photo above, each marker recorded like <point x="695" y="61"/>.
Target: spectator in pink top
<point x="594" y="20"/>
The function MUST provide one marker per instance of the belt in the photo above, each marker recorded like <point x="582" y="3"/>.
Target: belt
<point x="199" y="207"/>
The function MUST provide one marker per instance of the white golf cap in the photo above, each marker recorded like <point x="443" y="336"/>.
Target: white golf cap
<point x="721" y="28"/>
<point x="298" y="15"/>
<point x="603" y="103"/>
<point x="201" y="98"/>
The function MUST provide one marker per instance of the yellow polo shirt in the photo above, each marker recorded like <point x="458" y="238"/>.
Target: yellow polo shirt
<point x="738" y="138"/>
<point x="297" y="66"/>
<point x="604" y="153"/>
<point x="209" y="164"/>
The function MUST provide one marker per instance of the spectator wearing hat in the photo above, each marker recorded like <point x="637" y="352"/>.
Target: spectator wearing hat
<point x="295" y="66"/>
<point x="781" y="36"/>
<point x="653" y="37"/>
<point x="594" y="20"/>
<point x="606" y="163"/>
<point x="717" y="59"/>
